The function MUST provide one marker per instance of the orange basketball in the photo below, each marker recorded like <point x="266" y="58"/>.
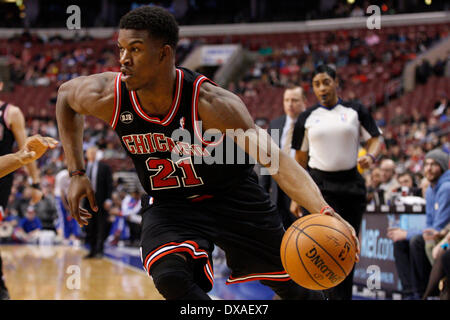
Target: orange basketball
<point x="318" y="251"/>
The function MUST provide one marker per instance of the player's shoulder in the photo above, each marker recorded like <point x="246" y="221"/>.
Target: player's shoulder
<point x="214" y="97"/>
<point x="90" y="90"/>
<point x="95" y="82"/>
<point x="222" y="109"/>
<point x="13" y="113"/>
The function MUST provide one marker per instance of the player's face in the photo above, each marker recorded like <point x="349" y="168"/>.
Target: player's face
<point x="432" y="170"/>
<point x="139" y="57"/>
<point x="325" y="89"/>
<point x="293" y="102"/>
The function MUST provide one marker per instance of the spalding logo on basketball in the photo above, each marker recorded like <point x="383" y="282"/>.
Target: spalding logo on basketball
<point x="318" y="251"/>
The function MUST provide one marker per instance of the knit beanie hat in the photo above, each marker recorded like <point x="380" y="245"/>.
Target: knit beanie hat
<point x="440" y="157"/>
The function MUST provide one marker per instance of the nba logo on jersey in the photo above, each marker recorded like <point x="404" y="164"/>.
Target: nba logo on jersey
<point x="182" y="121"/>
<point x="126" y="117"/>
<point x="344" y="117"/>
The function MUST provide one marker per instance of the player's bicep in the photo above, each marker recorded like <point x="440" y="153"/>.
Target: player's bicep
<point x="223" y="111"/>
<point x="85" y="96"/>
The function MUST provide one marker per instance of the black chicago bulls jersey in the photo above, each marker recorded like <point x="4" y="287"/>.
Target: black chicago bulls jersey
<point x="173" y="156"/>
<point x="6" y="135"/>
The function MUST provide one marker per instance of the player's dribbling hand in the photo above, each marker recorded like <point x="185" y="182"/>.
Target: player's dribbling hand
<point x="79" y="188"/>
<point x="330" y="212"/>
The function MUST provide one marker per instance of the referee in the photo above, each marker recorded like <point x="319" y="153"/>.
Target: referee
<point x="326" y="138"/>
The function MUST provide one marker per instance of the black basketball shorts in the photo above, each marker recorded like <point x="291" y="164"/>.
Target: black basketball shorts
<point x="242" y="222"/>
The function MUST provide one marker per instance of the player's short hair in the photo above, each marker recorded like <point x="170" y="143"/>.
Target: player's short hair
<point x="323" y="68"/>
<point x="159" y="23"/>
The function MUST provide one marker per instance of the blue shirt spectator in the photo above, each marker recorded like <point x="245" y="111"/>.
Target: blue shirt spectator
<point x="30" y="222"/>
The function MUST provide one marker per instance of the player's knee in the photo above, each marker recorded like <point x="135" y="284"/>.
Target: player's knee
<point x="172" y="277"/>
<point x="173" y="285"/>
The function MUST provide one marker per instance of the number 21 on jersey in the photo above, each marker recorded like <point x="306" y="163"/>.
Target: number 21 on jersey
<point x="164" y="178"/>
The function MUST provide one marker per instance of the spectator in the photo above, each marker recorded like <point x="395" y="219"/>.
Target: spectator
<point x="46" y="210"/>
<point x="389" y="181"/>
<point x="379" y="119"/>
<point x="407" y="193"/>
<point x="7" y="226"/>
<point x="127" y="220"/>
<point x="441" y="106"/>
<point x="29" y="227"/>
<point x="375" y="195"/>
<point x="410" y="253"/>
<point x="440" y="272"/>
<point x="67" y="228"/>
<point x="399" y="117"/>
<point x="423" y="72"/>
<point x="407" y="185"/>
<point x="294" y="102"/>
<point x="357" y="12"/>
<point x="101" y="176"/>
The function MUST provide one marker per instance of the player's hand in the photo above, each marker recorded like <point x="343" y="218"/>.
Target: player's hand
<point x="35" y="146"/>
<point x="79" y="188"/>
<point x="330" y="212"/>
<point x="295" y="209"/>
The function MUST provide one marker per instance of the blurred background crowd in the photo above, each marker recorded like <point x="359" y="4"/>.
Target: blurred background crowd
<point x="369" y="64"/>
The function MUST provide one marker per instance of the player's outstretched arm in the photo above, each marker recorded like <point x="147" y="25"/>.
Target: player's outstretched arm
<point x="17" y="123"/>
<point x="33" y="148"/>
<point x="92" y="95"/>
<point x="222" y="110"/>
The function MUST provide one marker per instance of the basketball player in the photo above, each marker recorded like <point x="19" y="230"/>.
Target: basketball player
<point x="12" y="128"/>
<point x="34" y="147"/>
<point x="154" y="107"/>
<point x="27" y="154"/>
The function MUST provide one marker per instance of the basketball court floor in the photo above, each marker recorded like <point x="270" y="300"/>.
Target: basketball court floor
<point x="35" y="272"/>
<point x="58" y="272"/>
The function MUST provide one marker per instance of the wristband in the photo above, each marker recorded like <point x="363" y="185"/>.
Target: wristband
<point x="324" y="208"/>
<point x="373" y="157"/>
<point x="444" y="246"/>
<point x="77" y="173"/>
<point x="36" y="185"/>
